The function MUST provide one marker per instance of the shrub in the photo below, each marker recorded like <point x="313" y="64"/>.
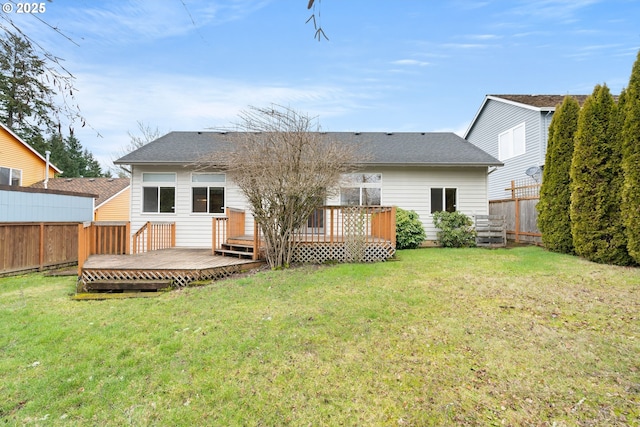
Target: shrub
<point x="456" y="229"/>
<point x="409" y="230"/>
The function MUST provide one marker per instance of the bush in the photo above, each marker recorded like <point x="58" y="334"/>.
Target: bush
<point x="456" y="229"/>
<point x="409" y="230"/>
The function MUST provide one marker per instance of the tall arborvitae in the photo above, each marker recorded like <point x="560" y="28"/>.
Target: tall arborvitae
<point x="631" y="163"/>
<point x="554" y="220"/>
<point x="596" y="183"/>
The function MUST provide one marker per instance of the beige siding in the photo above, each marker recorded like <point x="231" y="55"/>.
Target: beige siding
<point x="405" y="187"/>
<point x="409" y="188"/>
<point x="192" y="229"/>
<point x="13" y="154"/>
<point x="116" y="209"/>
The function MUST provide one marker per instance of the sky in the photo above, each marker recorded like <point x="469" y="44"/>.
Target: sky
<point x="387" y="66"/>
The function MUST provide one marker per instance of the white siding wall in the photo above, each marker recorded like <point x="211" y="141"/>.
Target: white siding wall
<point x="405" y="187"/>
<point x="192" y="229"/>
<point x="497" y="117"/>
<point x="410" y="188"/>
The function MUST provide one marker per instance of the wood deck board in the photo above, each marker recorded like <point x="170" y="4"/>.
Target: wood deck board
<point x="165" y="259"/>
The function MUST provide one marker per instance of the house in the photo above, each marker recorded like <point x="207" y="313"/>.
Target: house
<point x="20" y="164"/>
<point x="425" y="172"/>
<point x="514" y="129"/>
<point x="112" y="194"/>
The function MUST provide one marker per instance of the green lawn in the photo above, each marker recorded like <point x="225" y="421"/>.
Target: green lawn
<point x="438" y="337"/>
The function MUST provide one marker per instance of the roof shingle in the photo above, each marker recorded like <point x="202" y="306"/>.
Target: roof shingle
<point x="404" y="148"/>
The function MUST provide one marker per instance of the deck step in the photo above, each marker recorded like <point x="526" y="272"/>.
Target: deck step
<point x="237" y="254"/>
<point x="127" y="285"/>
<point x="237" y="247"/>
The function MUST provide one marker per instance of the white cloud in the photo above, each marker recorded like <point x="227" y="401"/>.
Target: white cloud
<point x="113" y="101"/>
<point x="410" y="62"/>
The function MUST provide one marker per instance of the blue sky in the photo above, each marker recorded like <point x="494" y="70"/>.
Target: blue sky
<point x="412" y="65"/>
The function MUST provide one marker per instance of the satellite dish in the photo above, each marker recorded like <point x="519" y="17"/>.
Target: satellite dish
<point x="534" y="172"/>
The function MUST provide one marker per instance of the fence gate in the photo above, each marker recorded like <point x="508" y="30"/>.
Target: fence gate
<point x="491" y="231"/>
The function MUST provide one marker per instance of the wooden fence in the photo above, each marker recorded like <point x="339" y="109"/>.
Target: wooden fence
<point x="29" y="246"/>
<point x="520" y="211"/>
<point x="102" y="238"/>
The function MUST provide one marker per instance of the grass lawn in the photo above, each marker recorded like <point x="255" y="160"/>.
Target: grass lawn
<point x="439" y="337"/>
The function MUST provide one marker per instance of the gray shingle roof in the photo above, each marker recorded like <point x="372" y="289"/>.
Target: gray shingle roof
<point x="545" y="102"/>
<point x="404" y="148"/>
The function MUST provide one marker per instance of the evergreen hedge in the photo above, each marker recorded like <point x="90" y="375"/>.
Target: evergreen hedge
<point x="596" y="183"/>
<point x="631" y="163"/>
<point x="554" y="220"/>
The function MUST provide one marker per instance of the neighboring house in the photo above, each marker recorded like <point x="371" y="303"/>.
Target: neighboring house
<point x="27" y="204"/>
<point x="20" y="164"/>
<point x="112" y="195"/>
<point x="424" y="172"/>
<point x="514" y="129"/>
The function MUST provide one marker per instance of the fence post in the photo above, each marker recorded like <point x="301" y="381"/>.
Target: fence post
<point x="41" y="248"/>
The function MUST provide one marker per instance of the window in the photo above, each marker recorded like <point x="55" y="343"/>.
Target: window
<point x="159" y="192"/>
<point x="10" y="176"/>
<point x="511" y="143"/>
<point x="361" y="189"/>
<point x="207" y="193"/>
<point x="443" y="199"/>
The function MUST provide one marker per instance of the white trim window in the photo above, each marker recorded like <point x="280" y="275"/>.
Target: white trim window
<point x="158" y="192"/>
<point x="444" y="199"/>
<point x="361" y="189"/>
<point x="10" y="176"/>
<point x="512" y="143"/>
<point x="208" y="193"/>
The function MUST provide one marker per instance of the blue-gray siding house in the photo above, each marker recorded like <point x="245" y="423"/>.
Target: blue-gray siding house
<point x="25" y="204"/>
<point x="514" y="129"/>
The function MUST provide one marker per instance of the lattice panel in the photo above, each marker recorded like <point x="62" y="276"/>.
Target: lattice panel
<point x="179" y="278"/>
<point x="317" y="253"/>
<point x="354" y="234"/>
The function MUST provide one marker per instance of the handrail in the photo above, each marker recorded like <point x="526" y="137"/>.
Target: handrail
<point x="331" y="224"/>
<point x="102" y="238"/>
<point x="154" y="236"/>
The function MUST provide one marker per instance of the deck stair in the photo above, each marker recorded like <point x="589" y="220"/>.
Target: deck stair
<point x="124" y="285"/>
<point x="238" y="247"/>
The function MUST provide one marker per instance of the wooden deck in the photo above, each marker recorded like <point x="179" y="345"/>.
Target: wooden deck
<point x="179" y="266"/>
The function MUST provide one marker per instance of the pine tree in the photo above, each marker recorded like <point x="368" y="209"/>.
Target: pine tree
<point x="631" y="163"/>
<point x="596" y="183"/>
<point x="26" y="103"/>
<point x="555" y="194"/>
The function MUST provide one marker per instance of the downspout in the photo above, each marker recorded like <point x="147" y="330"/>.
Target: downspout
<point x="46" y="171"/>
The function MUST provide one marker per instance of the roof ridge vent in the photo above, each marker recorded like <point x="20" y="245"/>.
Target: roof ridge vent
<point x="389" y="133"/>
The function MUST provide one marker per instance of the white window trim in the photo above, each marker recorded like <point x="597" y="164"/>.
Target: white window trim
<point x="444" y="198"/>
<point x="11" y="171"/>
<point x="512" y="150"/>
<point x="347" y="183"/>
<point x="207" y="184"/>
<point x="158" y="185"/>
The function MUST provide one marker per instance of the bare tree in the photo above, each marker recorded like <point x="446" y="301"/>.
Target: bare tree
<point x="286" y="169"/>
<point x="317" y="24"/>
<point x="146" y="135"/>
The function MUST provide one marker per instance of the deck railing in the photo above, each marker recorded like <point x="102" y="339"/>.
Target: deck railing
<point x="102" y="238"/>
<point x="154" y="236"/>
<point x="334" y="224"/>
<point x="328" y="224"/>
<point x="230" y="226"/>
